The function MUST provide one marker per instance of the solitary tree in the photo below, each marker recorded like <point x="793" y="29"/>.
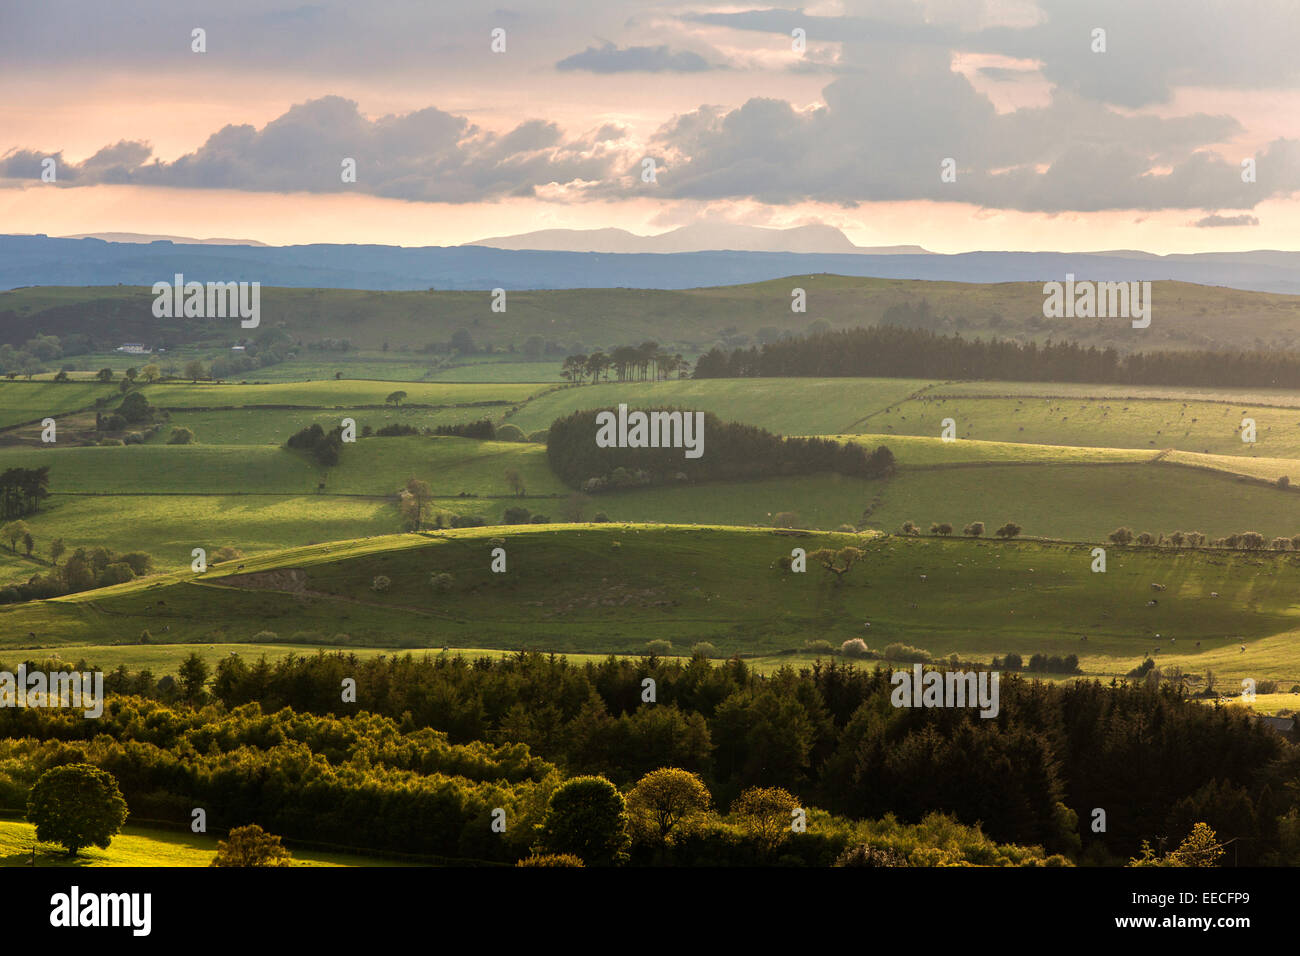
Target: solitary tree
<point x="395" y="398"/>
<point x="151" y="373"/>
<point x="587" y="817"/>
<point x="765" y="814"/>
<point x="76" y="805"/>
<point x="415" y="499"/>
<point x="515" y="482"/>
<point x="13" y="532"/>
<point x="57" y="549"/>
<point x="104" y="375"/>
<point x="193" y="675"/>
<point x="667" y="799"/>
<point x="838" y="562"/>
<point x="251" y="846"/>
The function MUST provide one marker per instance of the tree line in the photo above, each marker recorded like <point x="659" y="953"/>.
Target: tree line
<point x="829" y="735"/>
<point x="890" y="351"/>
<point x="731" y="451"/>
<point x="629" y="363"/>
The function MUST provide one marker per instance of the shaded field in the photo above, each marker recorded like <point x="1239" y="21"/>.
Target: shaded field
<point x="1086" y="503"/>
<point x="271" y="426"/>
<point x="611" y="588"/>
<point x="789" y="406"/>
<point x="332" y="394"/>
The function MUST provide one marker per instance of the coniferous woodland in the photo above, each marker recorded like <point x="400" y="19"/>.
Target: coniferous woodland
<point x="22" y="490"/>
<point x="447" y="739"/>
<point x="892" y="351"/>
<point x="732" y="451"/>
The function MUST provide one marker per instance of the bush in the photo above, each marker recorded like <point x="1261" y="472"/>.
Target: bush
<point x="541" y="519"/>
<point x="600" y="518"/>
<point x="909" y="528"/>
<point x="855" y="647"/>
<point x="516" y="515"/>
<point x="382" y="582"/>
<point x="906" y="654"/>
<point x="251" y="846"/>
<point x="1283" y="482"/>
<point x="551" y="859"/>
<point x="468" y="521"/>
<point x="864" y="854"/>
<point x="974" y="529"/>
<point x="824" y="647"/>
<point x="181" y="436"/>
<point x="392" y="431"/>
<point x="441" y="581"/>
<point x="704" y="649"/>
<point x="1008" y="530"/>
<point x="509" y="432"/>
<point x="659" y="648"/>
<point x="133" y="438"/>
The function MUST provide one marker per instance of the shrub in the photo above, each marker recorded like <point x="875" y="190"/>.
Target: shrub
<point x="855" y="647"/>
<point x="974" y="529"/>
<point x="468" y="521"/>
<point x="516" y="515"/>
<point x="1008" y="530"/>
<point x="441" y="581"/>
<point x="381" y="583"/>
<point x="394" y="430"/>
<point x="251" y="846"/>
<point x="704" y="649"/>
<point x="133" y="438"/>
<point x="659" y="647"/>
<point x="510" y="432"/>
<point x="601" y="518"/>
<point x="1283" y="482"/>
<point x="822" y="646"/>
<point x="909" y="527"/>
<point x="864" y="854"/>
<point x="785" y="519"/>
<point x="540" y="519"/>
<point x="265" y="637"/>
<point x="181" y="436"/>
<point x="1121" y="536"/>
<point x="906" y="654"/>
<point x="551" y="859"/>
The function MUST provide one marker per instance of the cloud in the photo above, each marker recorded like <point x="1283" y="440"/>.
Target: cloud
<point x="427" y="155"/>
<point x="608" y="58"/>
<point x="1213" y="221"/>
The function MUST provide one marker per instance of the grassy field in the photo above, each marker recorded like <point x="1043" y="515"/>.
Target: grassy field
<point x="32" y="401"/>
<point x="146" y="846"/>
<point x="1087" y="502"/>
<point x="789" y="406"/>
<point x="611" y="588"/>
<point x="333" y="394"/>
<point x="1205" y="427"/>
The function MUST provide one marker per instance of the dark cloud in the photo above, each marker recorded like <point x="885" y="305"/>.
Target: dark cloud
<point x="608" y="58"/>
<point x="1210" y="222"/>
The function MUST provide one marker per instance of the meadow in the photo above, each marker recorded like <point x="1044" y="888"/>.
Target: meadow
<point x="147" y="846"/>
<point x="594" y="589"/>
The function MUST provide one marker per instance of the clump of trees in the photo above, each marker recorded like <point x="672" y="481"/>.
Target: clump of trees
<point x="83" y="570"/>
<point x="629" y="363"/>
<point x="482" y="429"/>
<point x="732" y="451"/>
<point x="22" y="490"/>
<point x="325" y="447"/>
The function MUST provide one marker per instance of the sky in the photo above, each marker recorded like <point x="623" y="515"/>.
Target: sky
<point x="956" y="125"/>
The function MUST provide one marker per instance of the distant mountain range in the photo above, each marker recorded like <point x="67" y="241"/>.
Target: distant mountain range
<point x="179" y="240"/>
<point x="41" y="260"/>
<point x="698" y="237"/>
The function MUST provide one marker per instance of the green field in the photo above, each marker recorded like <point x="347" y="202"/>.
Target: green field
<point x="1205" y="427"/>
<point x="789" y="406"/>
<point x="611" y="588"/>
<point x="334" y="394"/>
<point x="146" y="846"/>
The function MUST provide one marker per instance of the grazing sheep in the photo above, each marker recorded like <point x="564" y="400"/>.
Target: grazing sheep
<point x="1152" y="603"/>
<point x="1157" y="587"/>
<point x="1214" y="594"/>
